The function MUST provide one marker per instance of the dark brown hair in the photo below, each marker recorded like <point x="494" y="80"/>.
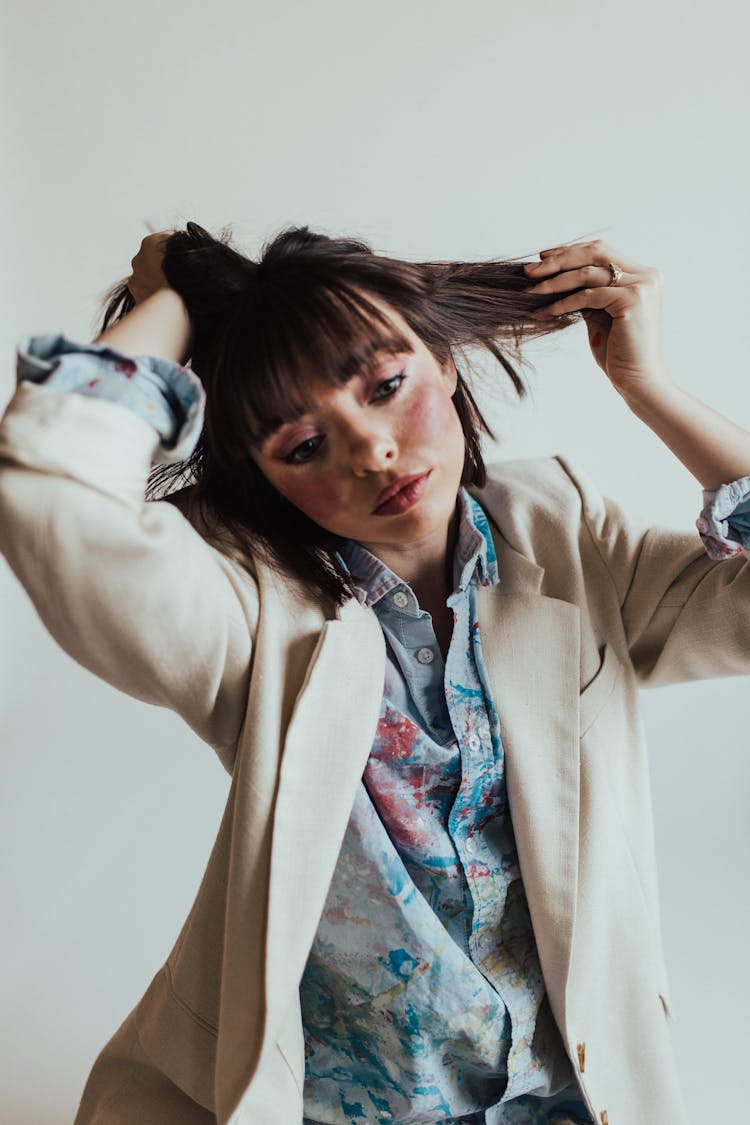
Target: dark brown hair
<point x="261" y="328"/>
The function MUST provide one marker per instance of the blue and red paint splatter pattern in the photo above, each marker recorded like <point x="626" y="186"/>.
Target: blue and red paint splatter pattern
<point x="423" y="998"/>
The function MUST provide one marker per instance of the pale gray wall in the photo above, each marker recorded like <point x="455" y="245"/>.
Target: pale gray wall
<point x="435" y="130"/>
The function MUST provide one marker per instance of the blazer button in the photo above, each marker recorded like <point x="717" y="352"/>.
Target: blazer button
<point x="581" y="1049"/>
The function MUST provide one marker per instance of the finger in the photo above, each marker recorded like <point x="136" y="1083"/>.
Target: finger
<point x="596" y="253"/>
<point x="615" y="300"/>
<point x="592" y="246"/>
<point x="576" y="279"/>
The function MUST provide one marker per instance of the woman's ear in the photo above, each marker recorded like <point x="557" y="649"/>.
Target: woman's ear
<point x="450" y="374"/>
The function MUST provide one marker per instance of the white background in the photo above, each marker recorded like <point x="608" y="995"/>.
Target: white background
<point x="435" y="130"/>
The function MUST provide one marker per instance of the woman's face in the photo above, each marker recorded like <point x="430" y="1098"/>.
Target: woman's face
<point x="395" y="429"/>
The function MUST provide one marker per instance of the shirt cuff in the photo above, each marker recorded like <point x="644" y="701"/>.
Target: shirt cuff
<point x="165" y="394"/>
<point x="724" y="523"/>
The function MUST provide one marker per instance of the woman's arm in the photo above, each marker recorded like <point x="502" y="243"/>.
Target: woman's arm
<point x="158" y="326"/>
<point x="129" y="589"/>
<point x="710" y="446"/>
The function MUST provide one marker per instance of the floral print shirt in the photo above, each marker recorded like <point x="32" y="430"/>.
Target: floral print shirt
<point x="423" y="998"/>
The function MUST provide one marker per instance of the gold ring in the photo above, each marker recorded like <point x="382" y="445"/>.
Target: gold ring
<point x="616" y="273"/>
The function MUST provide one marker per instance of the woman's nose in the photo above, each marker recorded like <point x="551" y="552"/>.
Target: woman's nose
<point x="371" y="450"/>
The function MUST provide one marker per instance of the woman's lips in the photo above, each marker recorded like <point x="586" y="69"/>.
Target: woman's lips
<point x="402" y="495"/>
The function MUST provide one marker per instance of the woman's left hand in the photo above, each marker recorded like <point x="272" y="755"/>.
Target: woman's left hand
<point x="623" y="319"/>
<point x="147" y="276"/>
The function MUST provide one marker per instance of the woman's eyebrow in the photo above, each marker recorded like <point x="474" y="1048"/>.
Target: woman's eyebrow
<point x="273" y="425"/>
<point x="376" y="359"/>
<point x="373" y="362"/>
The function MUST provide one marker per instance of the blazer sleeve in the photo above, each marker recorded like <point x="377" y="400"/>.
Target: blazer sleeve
<point x="686" y="615"/>
<point x="128" y="588"/>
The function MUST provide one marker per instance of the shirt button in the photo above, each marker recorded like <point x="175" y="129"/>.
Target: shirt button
<point x="425" y="656"/>
<point x="474" y="742"/>
<point x="400" y="599"/>
<point x="470" y="846"/>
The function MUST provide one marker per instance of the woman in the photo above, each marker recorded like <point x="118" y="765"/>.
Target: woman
<point x="433" y="893"/>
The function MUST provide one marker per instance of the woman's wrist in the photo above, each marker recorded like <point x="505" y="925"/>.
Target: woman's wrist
<point x="157" y="326"/>
<point x="710" y="446"/>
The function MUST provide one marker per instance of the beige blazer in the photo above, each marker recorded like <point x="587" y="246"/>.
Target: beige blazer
<point x="287" y="691"/>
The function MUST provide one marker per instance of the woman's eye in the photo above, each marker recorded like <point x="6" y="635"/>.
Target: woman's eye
<point x="389" y="387"/>
<point x="305" y="451"/>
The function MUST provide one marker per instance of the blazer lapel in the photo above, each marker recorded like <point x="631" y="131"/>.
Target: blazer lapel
<point x="531" y="648"/>
<point x="328" y="741"/>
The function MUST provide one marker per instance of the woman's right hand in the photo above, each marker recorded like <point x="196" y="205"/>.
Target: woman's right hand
<point x="147" y="275"/>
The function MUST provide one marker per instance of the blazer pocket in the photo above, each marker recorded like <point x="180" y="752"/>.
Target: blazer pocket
<point x="596" y="694"/>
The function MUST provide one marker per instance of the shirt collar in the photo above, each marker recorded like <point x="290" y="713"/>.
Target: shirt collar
<point x="474" y="560"/>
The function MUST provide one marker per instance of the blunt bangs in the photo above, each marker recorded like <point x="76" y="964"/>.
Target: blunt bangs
<point x="297" y="332"/>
